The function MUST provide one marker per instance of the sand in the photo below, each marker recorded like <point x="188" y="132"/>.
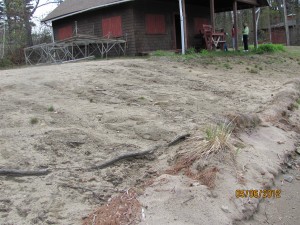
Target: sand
<point x="102" y="109"/>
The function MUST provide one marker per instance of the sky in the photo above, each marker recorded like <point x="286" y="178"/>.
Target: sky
<point x="43" y="11"/>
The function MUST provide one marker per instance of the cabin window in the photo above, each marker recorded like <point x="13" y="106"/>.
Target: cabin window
<point x="112" y="26"/>
<point x="198" y="22"/>
<point x="64" y="32"/>
<point x="155" y="24"/>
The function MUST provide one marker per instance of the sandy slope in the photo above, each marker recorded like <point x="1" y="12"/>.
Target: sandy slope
<point x="106" y="108"/>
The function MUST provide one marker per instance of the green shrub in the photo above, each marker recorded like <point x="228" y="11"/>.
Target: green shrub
<point x="5" y="63"/>
<point x="191" y="51"/>
<point x="269" y="48"/>
<point x="204" y="52"/>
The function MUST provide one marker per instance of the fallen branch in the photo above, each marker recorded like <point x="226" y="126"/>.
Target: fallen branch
<point x="178" y="139"/>
<point x="23" y="173"/>
<point x="125" y="156"/>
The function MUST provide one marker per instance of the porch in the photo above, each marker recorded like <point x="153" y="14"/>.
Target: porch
<point x="216" y="6"/>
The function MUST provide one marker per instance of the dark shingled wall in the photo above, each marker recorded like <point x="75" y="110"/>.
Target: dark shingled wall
<point x="91" y="23"/>
<point x="133" y="24"/>
<point x="149" y="42"/>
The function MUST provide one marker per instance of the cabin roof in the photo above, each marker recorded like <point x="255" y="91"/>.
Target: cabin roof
<point x="73" y="7"/>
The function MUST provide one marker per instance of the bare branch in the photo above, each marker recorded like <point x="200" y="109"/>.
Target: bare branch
<point x="47" y="3"/>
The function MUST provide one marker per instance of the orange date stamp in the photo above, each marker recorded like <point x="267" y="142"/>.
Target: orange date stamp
<point x="258" y="193"/>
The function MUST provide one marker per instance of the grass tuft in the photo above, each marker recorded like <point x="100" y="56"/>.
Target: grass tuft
<point x="204" y="52"/>
<point x="34" y="121"/>
<point x="163" y="53"/>
<point x="216" y="142"/>
<point x="51" y="109"/>
<point x="227" y="66"/>
<point x="217" y="139"/>
<point x="253" y="70"/>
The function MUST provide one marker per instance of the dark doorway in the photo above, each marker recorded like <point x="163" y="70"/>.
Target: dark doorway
<point x="177" y="31"/>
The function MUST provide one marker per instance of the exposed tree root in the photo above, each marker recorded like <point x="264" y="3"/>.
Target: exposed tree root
<point x="178" y="139"/>
<point x="138" y="154"/>
<point x="14" y="172"/>
<point x="23" y="173"/>
<point x="125" y="156"/>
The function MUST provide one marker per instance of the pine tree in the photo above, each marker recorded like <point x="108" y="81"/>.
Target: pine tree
<point x="18" y="15"/>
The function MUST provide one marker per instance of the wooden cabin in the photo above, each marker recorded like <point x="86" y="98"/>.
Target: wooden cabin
<point x="147" y="25"/>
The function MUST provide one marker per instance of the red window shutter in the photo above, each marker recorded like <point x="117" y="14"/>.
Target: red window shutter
<point x="65" y="32"/>
<point x="155" y="24"/>
<point x="199" y="23"/>
<point x="160" y="24"/>
<point x="150" y="24"/>
<point x="116" y="24"/>
<point x="112" y="27"/>
<point x="106" y="27"/>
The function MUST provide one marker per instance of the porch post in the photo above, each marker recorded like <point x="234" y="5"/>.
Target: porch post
<point x="269" y="25"/>
<point x="212" y="14"/>
<point x="182" y="27"/>
<point x="185" y="27"/>
<point x="235" y="25"/>
<point x="76" y="29"/>
<point x="52" y="33"/>
<point x="287" y="32"/>
<point x="254" y="26"/>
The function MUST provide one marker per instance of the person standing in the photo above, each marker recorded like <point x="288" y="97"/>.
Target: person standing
<point x="245" y="37"/>
<point x="225" y="48"/>
<point x="233" y="37"/>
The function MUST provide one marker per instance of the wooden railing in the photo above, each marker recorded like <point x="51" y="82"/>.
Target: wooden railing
<point x="213" y="40"/>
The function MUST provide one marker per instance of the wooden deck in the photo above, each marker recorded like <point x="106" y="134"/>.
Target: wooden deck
<point x="74" y="48"/>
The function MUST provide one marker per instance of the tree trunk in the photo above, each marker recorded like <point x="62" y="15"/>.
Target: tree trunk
<point x="27" y="16"/>
<point x="224" y="21"/>
<point x="28" y="29"/>
<point x="279" y="3"/>
<point x="9" y="19"/>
